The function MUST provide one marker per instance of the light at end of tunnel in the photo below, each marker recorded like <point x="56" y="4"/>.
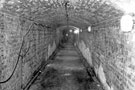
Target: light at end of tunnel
<point x="66" y="34"/>
<point x="80" y="30"/>
<point x="76" y="31"/>
<point x="70" y="30"/>
<point x="126" y="23"/>
<point x="89" y="29"/>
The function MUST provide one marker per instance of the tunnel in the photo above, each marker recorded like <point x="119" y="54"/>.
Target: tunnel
<point x="67" y="44"/>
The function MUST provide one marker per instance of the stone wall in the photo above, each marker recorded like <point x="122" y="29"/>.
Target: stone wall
<point x="85" y="46"/>
<point x="34" y="40"/>
<point x="113" y="55"/>
<point x="9" y="44"/>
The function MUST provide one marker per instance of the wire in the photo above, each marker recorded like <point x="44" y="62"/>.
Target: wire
<point x="1" y="82"/>
<point x="67" y="15"/>
<point x="40" y="69"/>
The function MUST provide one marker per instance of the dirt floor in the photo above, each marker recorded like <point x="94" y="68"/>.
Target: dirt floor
<point x="66" y="73"/>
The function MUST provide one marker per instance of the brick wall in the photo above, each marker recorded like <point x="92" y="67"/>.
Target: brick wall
<point x="36" y="42"/>
<point x="113" y="55"/>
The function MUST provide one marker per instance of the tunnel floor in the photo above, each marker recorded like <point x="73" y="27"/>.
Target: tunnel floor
<point x="66" y="72"/>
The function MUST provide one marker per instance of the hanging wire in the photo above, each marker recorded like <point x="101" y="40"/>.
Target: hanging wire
<point x="67" y="15"/>
<point x="19" y="56"/>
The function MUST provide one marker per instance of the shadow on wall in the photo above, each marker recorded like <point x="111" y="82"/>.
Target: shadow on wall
<point x="96" y="65"/>
<point x="51" y="49"/>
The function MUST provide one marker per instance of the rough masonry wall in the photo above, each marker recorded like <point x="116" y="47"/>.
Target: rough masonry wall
<point x="115" y="50"/>
<point x="34" y="49"/>
<point x="38" y="43"/>
<point x="113" y="56"/>
<point x="85" y="46"/>
<point x="10" y="42"/>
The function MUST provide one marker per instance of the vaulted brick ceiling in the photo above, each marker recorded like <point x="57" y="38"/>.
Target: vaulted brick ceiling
<point x="81" y="13"/>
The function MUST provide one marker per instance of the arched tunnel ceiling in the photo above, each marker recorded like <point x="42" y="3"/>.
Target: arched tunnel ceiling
<point x="65" y="28"/>
<point x="81" y="13"/>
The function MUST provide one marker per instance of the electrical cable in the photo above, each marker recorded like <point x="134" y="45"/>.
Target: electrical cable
<point x="40" y="69"/>
<point x="67" y="15"/>
<point x="19" y="55"/>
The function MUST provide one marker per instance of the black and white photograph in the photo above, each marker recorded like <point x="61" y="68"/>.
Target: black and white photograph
<point x="67" y="44"/>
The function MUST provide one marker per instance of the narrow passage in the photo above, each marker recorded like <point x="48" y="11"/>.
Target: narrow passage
<point x="66" y="72"/>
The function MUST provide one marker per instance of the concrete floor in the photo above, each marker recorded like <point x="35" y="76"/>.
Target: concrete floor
<point x="66" y="73"/>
